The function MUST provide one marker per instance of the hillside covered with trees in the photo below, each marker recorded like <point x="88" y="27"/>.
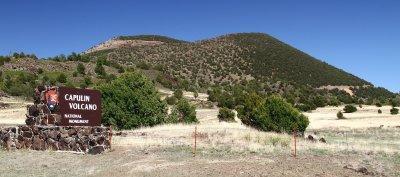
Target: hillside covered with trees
<point x="229" y="68"/>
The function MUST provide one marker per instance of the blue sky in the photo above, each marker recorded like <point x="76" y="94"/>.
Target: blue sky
<point x="359" y="36"/>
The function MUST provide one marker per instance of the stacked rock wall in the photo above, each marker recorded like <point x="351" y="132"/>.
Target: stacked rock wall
<point x="92" y="140"/>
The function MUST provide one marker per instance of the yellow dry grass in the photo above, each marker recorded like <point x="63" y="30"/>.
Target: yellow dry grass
<point x="353" y="134"/>
<point x="365" y="117"/>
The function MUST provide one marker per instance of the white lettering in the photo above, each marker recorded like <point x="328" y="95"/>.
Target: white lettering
<point x="88" y="107"/>
<point x="78" y="121"/>
<point x="82" y="98"/>
<point x="73" y="116"/>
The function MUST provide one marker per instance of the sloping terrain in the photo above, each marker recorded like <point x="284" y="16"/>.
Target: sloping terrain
<point x="232" y="58"/>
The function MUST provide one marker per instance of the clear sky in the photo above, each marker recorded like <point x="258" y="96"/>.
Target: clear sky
<point x="359" y="36"/>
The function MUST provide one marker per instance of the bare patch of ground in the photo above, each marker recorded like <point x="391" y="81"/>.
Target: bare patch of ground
<point x="178" y="161"/>
<point x="14" y="114"/>
<point x="345" y="88"/>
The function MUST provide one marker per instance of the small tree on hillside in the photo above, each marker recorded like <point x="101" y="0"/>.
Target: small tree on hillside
<point x="80" y="68"/>
<point x="99" y="69"/>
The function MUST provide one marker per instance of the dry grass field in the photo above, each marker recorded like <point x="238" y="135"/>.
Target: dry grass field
<point x="365" y="139"/>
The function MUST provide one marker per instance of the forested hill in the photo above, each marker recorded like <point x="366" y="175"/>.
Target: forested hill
<point x="228" y="68"/>
<point x="228" y="59"/>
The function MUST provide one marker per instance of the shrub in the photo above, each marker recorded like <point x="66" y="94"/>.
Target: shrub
<point x="349" y="109"/>
<point x="251" y="102"/>
<point x="40" y="71"/>
<point x="340" y="115"/>
<point x="99" y="69"/>
<point x="185" y="112"/>
<point x="62" y="78"/>
<point x="379" y="111"/>
<point x="80" y="68"/>
<point x="171" y="100"/>
<point x="226" y="115"/>
<point x="110" y="77"/>
<point x="275" y="114"/>
<point x="394" y="111"/>
<point x="378" y="104"/>
<point x="131" y="101"/>
<point x="195" y="94"/>
<point x="178" y="93"/>
<point x="395" y="102"/>
<point x="87" y="81"/>
<point x="304" y="107"/>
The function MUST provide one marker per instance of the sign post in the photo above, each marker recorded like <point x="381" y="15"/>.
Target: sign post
<point x="79" y="107"/>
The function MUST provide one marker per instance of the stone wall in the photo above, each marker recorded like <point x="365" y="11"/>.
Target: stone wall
<point x="92" y="140"/>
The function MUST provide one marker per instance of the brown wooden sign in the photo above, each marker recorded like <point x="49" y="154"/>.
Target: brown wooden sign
<point x="79" y="107"/>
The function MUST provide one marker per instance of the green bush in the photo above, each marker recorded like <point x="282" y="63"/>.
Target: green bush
<point x="340" y="115"/>
<point x="349" y="109"/>
<point x="378" y="104"/>
<point x="171" y="100"/>
<point x="185" y="112"/>
<point x="395" y="102"/>
<point x="99" y="69"/>
<point x="4" y="59"/>
<point x="394" y="111"/>
<point x="40" y="71"/>
<point x="87" y="81"/>
<point x="275" y="114"/>
<point x="226" y="115"/>
<point x="80" y="68"/>
<point x="131" y="101"/>
<point x="75" y="74"/>
<point x="178" y="94"/>
<point x="62" y="78"/>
